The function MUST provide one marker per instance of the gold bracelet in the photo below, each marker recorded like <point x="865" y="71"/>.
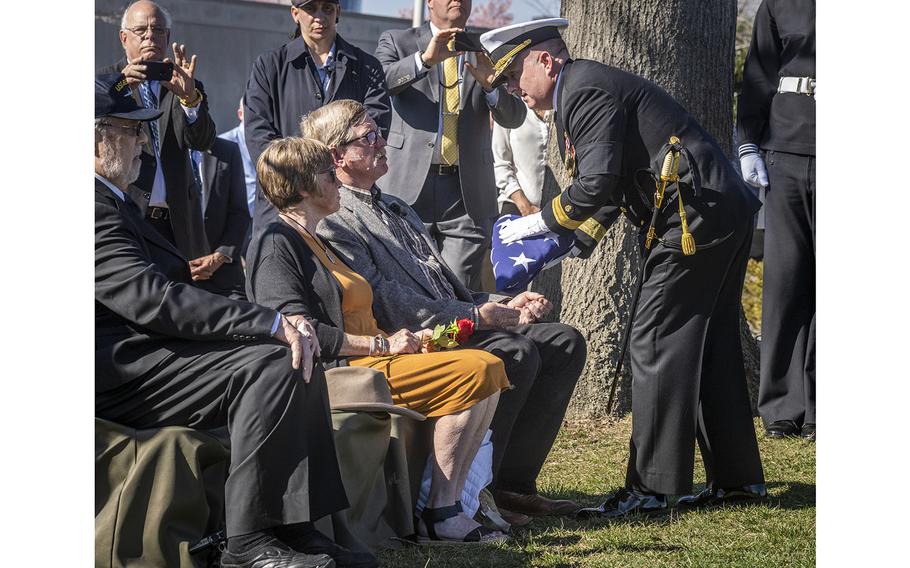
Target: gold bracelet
<point x="197" y="98"/>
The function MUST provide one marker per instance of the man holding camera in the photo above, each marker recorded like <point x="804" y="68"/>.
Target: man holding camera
<point x="166" y="191"/>
<point x="441" y="105"/>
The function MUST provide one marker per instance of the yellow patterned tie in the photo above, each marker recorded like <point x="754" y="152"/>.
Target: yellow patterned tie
<point x="449" y="150"/>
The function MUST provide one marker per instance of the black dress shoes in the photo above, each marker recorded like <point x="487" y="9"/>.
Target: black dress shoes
<point x="808" y="432"/>
<point x="627" y="503"/>
<point x="711" y="497"/>
<point x="274" y="554"/>
<point x="782" y="429"/>
<point x="314" y="542"/>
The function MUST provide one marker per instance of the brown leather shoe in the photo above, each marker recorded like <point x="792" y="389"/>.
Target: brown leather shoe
<point x="513" y="518"/>
<point x="535" y="505"/>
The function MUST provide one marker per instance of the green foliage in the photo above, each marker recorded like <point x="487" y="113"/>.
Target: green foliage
<point x="588" y="460"/>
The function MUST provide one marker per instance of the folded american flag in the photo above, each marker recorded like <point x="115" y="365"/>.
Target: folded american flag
<point x="516" y="264"/>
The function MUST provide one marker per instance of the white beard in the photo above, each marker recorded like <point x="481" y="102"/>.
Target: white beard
<point x="114" y="163"/>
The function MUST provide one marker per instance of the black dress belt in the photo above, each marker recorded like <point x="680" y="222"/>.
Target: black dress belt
<point x="443" y="170"/>
<point x="158" y="213"/>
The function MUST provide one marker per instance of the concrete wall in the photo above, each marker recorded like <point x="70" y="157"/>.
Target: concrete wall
<point x="227" y="36"/>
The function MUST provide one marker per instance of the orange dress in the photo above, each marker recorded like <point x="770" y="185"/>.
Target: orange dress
<point x="433" y="384"/>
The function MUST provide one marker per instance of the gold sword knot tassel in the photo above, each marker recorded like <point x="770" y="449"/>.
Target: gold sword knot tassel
<point x="669" y="173"/>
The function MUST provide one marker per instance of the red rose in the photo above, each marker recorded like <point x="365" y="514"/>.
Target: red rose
<point x="465" y="330"/>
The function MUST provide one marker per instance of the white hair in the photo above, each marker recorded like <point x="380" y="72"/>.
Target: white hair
<point x="164" y="13"/>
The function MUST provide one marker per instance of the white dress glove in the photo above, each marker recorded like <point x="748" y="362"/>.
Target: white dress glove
<point x="754" y="172"/>
<point x="523" y="227"/>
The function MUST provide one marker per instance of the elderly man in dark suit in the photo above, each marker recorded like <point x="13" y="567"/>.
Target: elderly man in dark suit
<point x="227" y="219"/>
<point x="688" y="378"/>
<point x="166" y="191"/>
<point x="384" y="241"/>
<point x="317" y="66"/>
<point x="439" y="145"/>
<point x="169" y="354"/>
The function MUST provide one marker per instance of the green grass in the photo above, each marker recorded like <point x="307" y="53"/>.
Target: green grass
<point x="752" y="288"/>
<point x="588" y="460"/>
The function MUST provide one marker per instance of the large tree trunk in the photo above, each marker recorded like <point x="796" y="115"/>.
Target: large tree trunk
<point x="686" y="47"/>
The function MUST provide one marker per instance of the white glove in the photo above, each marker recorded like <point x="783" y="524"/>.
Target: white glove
<point x="523" y="227"/>
<point x="754" y="172"/>
<point x="572" y="253"/>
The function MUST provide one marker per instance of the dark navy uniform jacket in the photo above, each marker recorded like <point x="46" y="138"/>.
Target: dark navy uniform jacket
<point x="783" y="45"/>
<point x="618" y="125"/>
<point x="283" y="87"/>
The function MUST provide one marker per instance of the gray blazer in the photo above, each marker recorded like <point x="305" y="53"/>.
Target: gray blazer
<point x="402" y="295"/>
<point x="415" y="123"/>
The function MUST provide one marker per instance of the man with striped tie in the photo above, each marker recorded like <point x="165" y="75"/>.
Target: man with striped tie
<point x="167" y="191"/>
<point x="439" y="144"/>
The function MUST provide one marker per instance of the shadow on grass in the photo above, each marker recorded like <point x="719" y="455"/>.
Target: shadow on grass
<point x="796" y="495"/>
<point x="650" y="547"/>
<point x="556" y="540"/>
<point x="457" y="555"/>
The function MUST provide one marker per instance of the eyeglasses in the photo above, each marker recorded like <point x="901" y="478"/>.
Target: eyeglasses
<point x="137" y="129"/>
<point x="141" y="31"/>
<point x="331" y="171"/>
<point x="372" y="136"/>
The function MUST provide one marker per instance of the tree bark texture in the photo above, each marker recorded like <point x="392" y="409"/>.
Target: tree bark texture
<point x="686" y="47"/>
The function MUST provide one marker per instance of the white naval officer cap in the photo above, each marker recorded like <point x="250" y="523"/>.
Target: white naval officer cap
<point x="503" y="44"/>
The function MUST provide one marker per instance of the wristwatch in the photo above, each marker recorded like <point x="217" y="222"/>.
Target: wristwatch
<point x="422" y="62"/>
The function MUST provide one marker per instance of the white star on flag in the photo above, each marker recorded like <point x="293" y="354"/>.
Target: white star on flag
<point x="522" y="260"/>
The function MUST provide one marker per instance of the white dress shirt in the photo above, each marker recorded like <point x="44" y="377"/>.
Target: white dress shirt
<point x="159" y="191"/>
<point x="520" y="157"/>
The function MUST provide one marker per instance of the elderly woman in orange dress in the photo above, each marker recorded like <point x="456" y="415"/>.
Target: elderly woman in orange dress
<point x="294" y="271"/>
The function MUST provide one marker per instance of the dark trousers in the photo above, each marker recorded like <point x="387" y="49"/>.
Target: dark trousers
<point x="461" y="241"/>
<point x="283" y="464"/>
<point x="787" y="387"/>
<point x="543" y="362"/>
<point x="688" y="380"/>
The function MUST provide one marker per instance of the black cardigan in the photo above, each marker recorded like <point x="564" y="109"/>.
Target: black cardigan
<point x="283" y="273"/>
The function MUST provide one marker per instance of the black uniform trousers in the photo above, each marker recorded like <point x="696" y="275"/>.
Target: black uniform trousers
<point x="543" y="362"/>
<point x="688" y="380"/>
<point x="283" y="465"/>
<point x="787" y="387"/>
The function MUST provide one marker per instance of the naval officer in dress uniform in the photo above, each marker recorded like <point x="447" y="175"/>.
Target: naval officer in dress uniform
<point x="614" y="131"/>
<point x="776" y="115"/>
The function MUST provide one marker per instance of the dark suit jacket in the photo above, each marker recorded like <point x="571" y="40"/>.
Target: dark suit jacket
<point x="146" y="307"/>
<point x="619" y="124"/>
<point x="283" y="88"/>
<point x="284" y="274"/>
<point x="177" y="139"/>
<point x="415" y="124"/>
<point x="227" y="216"/>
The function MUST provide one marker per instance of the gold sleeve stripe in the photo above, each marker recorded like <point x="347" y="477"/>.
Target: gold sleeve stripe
<point x="561" y="217"/>
<point x="593" y="229"/>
